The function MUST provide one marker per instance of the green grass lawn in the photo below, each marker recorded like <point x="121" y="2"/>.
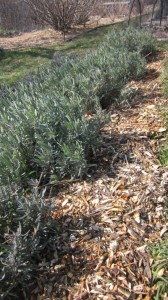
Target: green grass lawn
<point x="15" y="64"/>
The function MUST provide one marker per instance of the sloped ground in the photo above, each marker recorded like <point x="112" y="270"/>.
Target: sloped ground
<point x="49" y="36"/>
<point x="31" y="39"/>
<point x="106" y="222"/>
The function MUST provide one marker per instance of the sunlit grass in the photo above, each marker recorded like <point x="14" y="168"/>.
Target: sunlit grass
<point x="160" y="268"/>
<point x="160" y="251"/>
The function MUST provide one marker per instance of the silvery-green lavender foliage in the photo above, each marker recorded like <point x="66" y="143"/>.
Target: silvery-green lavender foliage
<point x="132" y="40"/>
<point x="27" y="230"/>
<point x="44" y="131"/>
<point x="45" y="136"/>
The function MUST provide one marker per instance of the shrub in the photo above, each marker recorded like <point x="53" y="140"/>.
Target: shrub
<point x="27" y="231"/>
<point x="100" y="76"/>
<point x="117" y="69"/>
<point x="45" y="136"/>
<point x="44" y="131"/>
<point x="133" y="40"/>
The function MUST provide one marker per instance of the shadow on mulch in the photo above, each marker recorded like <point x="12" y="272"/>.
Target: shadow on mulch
<point x="64" y="260"/>
<point x="115" y="151"/>
<point x="151" y="74"/>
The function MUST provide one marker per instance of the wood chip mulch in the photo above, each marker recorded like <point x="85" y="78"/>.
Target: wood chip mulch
<point x="108" y="221"/>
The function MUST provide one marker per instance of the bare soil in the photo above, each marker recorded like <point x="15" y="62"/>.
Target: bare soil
<point x="160" y="32"/>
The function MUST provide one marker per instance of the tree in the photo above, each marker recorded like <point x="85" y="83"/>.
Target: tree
<point x="15" y="15"/>
<point x="61" y="14"/>
<point x="139" y="5"/>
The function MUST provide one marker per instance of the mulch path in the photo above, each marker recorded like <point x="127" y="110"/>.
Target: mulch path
<point x="107" y="221"/>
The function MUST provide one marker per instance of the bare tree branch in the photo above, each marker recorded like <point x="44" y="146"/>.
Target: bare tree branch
<point x="61" y="14"/>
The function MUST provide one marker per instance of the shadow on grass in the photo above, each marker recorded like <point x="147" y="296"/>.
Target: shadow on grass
<point x="34" y="52"/>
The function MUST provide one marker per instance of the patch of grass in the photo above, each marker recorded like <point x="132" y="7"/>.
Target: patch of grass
<point x="160" y="251"/>
<point x="15" y="64"/>
<point x="165" y="79"/>
<point x="160" y="269"/>
<point x="164" y="149"/>
<point x="162" y="45"/>
<point x="6" y="33"/>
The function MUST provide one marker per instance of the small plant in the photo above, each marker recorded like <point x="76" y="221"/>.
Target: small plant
<point x="27" y="230"/>
<point x="44" y="131"/>
<point x="160" y="269"/>
<point x="45" y="136"/>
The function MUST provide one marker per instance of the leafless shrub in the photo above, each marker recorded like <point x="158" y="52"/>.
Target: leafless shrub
<point x="61" y="14"/>
<point x="15" y="15"/>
